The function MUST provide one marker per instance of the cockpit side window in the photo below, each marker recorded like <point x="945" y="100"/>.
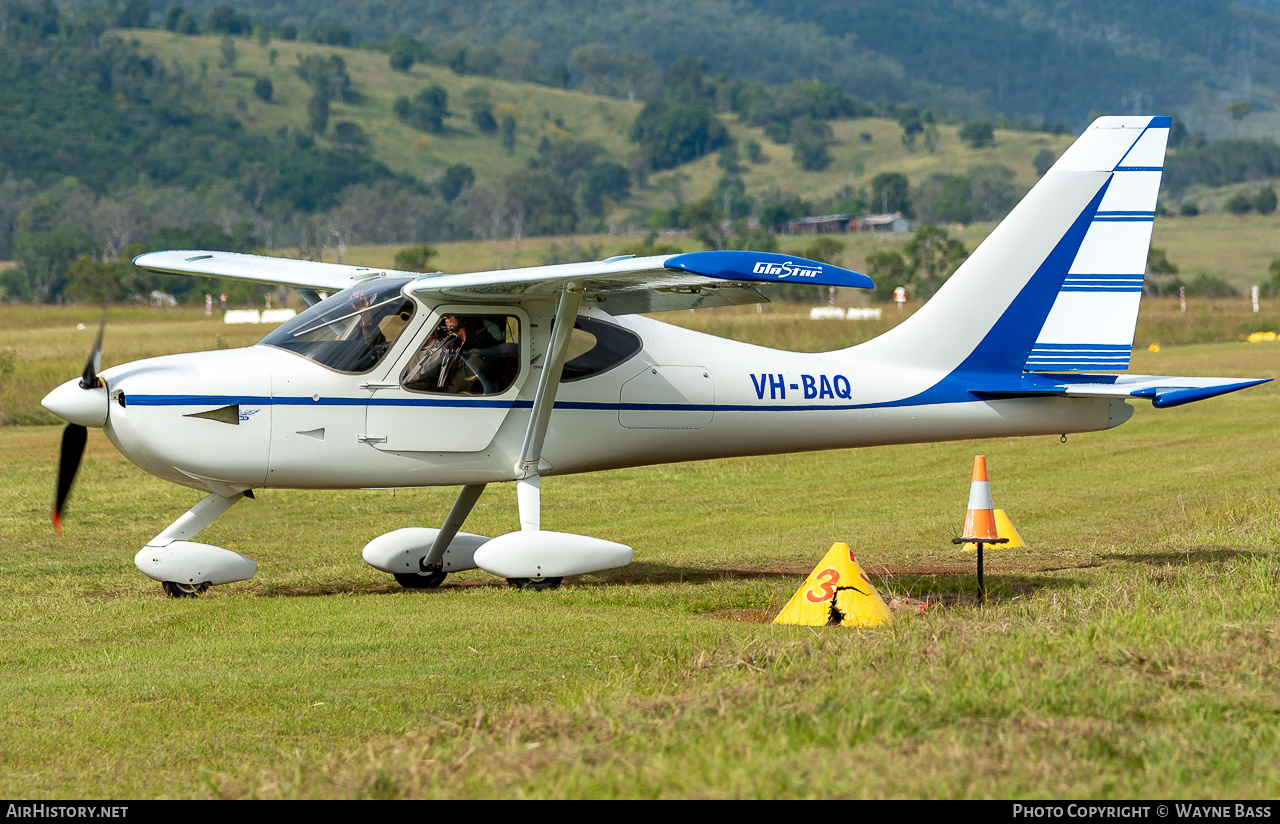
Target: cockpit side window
<point x="596" y="346"/>
<point x="351" y="331"/>
<point x="467" y="355"/>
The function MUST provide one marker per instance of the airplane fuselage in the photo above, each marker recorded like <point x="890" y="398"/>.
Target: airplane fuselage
<point x="265" y="417"/>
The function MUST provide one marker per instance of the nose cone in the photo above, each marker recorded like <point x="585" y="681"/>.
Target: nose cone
<point x="74" y="404"/>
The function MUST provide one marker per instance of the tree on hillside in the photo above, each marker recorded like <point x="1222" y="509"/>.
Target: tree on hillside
<point x="224" y="19"/>
<point x="318" y="113"/>
<point x="889" y="193"/>
<point x="670" y="134"/>
<point x="538" y="204"/>
<point x="327" y="76"/>
<point x="824" y="249"/>
<point x="809" y="144"/>
<point x="638" y="74"/>
<point x="43" y="260"/>
<point x="415" y="258"/>
<point x="923" y="265"/>
<point x="594" y="62"/>
<point x="1266" y="201"/>
<point x="1043" y="160"/>
<point x="263" y="89"/>
<point x="455" y="179"/>
<point x="978" y="133"/>
<point x="1273" y="285"/>
<point x="888" y="268"/>
<point x="1238" y="204"/>
<point x="425" y="111"/>
<point x="683" y="82"/>
<point x="180" y="21"/>
<point x="944" y="198"/>
<point x="402" y="52"/>
<point x="934" y="256"/>
<point x="909" y="120"/>
<point x="331" y="35"/>
<point x="1238" y="110"/>
<point x="605" y="180"/>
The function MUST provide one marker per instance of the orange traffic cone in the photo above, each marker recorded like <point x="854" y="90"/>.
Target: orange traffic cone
<point x="980" y="520"/>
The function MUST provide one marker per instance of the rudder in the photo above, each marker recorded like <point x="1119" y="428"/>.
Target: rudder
<point x="1093" y="318"/>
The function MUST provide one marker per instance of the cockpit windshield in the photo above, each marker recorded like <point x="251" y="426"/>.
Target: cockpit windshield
<point x="351" y="331"/>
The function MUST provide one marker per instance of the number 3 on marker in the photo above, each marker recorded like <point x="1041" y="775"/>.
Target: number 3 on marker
<point x="824" y="587"/>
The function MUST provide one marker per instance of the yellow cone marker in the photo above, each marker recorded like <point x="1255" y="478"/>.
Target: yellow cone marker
<point x="1004" y="529"/>
<point x="836" y="593"/>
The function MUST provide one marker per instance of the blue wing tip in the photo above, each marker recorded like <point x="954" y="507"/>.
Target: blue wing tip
<point x="766" y="267"/>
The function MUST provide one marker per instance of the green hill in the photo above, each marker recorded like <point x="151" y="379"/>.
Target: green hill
<point x="126" y="139"/>
<point x="1016" y="57"/>
<point x="543" y="112"/>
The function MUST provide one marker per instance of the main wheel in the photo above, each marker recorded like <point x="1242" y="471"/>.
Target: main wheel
<point x="424" y="580"/>
<point x="535" y="584"/>
<point x="176" y="589"/>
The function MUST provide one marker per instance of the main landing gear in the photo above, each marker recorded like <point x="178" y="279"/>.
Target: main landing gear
<point x="420" y="580"/>
<point x="535" y="584"/>
<point x="176" y="589"/>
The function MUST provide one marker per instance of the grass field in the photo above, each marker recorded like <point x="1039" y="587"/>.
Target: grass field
<point x="1130" y="651"/>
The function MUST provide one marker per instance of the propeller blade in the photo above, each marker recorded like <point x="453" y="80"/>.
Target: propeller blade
<point x="73" y="441"/>
<point x="91" y="366"/>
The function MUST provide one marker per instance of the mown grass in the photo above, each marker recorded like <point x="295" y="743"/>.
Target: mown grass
<point x="1129" y="651"/>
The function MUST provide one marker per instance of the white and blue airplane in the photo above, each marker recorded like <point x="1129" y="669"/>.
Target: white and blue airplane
<point x="406" y="380"/>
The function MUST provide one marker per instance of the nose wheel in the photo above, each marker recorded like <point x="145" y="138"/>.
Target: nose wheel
<point x="176" y="589"/>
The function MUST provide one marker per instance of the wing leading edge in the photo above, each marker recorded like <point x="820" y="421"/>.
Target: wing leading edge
<point x="299" y="274"/>
<point x="621" y="285"/>
<point x="627" y="285"/>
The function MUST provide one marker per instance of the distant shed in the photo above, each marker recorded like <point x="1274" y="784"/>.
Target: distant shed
<point x="841" y="224"/>
<point x="895" y="222"/>
<point x="822" y="225"/>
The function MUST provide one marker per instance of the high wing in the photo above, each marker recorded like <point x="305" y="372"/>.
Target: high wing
<point x="619" y="285"/>
<point x="299" y="274"/>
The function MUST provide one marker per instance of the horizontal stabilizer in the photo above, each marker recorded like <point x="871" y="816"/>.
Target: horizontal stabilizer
<point x="1163" y="391"/>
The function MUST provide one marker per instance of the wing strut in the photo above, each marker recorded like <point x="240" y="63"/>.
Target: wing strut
<point x="528" y="494"/>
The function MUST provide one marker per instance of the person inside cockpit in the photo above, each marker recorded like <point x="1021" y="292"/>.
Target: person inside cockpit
<point x="465" y="355"/>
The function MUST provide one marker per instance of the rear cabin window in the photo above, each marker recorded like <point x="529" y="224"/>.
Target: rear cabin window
<point x="596" y="346"/>
<point x="351" y="331"/>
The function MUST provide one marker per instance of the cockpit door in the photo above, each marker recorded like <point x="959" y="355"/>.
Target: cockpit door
<point x="454" y="386"/>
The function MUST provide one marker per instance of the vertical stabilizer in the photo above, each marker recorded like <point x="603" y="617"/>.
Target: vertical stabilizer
<point x="1056" y="285"/>
<point x="1092" y="321"/>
